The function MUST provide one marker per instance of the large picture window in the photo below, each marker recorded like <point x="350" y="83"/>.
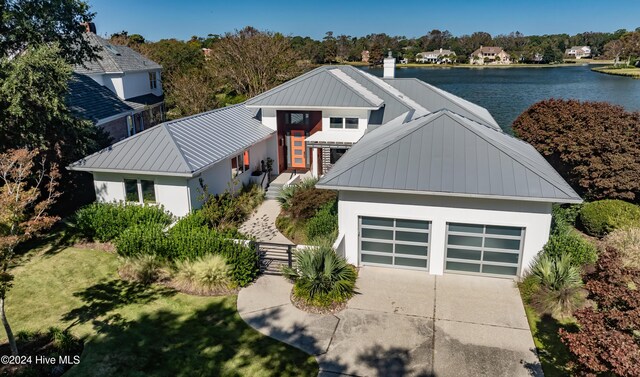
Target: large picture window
<point x="240" y="164"/>
<point x="140" y="190"/>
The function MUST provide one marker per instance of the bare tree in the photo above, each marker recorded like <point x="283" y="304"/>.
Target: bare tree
<point x="253" y="61"/>
<point x="25" y="196"/>
<point x="190" y="92"/>
<point x="613" y="50"/>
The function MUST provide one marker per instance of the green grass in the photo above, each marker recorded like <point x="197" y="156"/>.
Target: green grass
<point x="136" y="330"/>
<point x="628" y="72"/>
<point x="554" y="355"/>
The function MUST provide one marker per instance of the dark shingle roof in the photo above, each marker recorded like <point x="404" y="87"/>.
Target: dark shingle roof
<point x="447" y="154"/>
<point x="89" y="100"/>
<point x="114" y="58"/>
<point x="182" y="147"/>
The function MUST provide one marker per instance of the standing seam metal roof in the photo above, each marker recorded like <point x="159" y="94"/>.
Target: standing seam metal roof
<point x="447" y="153"/>
<point x="181" y="147"/>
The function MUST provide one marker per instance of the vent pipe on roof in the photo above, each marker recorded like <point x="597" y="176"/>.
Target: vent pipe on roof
<point x="389" y="65"/>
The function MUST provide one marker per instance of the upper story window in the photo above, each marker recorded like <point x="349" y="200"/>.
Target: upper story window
<point x="153" y="80"/>
<point x="240" y="164"/>
<point x="139" y="190"/>
<point x="295" y="118"/>
<point x="348" y="123"/>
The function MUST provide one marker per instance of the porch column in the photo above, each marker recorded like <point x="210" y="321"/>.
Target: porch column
<point x="314" y="162"/>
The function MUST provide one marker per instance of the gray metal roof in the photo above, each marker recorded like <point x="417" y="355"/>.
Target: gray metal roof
<point x="182" y="147"/>
<point x="317" y="88"/>
<point x="434" y="99"/>
<point x="447" y="154"/>
<point x="114" y="58"/>
<point x="89" y="100"/>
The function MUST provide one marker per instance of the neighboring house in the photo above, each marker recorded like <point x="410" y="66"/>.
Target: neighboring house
<point x="426" y="180"/>
<point x="207" y="53"/>
<point x="131" y="77"/>
<point x="578" y="52"/>
<point x="365" y="56"/>
<point x="489" y="55"/>
<point x="437" y="57"/>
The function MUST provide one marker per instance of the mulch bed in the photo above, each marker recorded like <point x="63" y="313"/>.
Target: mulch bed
<point x="40" y="345"/>
<point x="305" y="307"/>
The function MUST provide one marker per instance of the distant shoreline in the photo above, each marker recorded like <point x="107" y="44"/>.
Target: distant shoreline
<point x="506" y="66"/>
<point x="625" y="72"/>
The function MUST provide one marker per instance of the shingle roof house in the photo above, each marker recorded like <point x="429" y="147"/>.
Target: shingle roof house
<point x="136" y="100"/>
<point x="489" y="55"/>
<point x="426" y="180"/>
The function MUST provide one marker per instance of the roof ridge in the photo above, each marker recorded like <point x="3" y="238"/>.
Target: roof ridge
<point x="386" y="90"/>
<point x="102" y="43"/>
<point x="173" y="121"/>
<point x="492" y="142"/>
<point x="288" y="83"/>
<point x="165" y="127"/>
<point x="335" y="75"/>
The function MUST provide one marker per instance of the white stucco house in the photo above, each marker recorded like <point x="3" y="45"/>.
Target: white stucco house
<point x="426" y="180"/>
<point x="578" y="52"/>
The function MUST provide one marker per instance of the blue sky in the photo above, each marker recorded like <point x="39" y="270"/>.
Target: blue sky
<point x="181" y="19"/>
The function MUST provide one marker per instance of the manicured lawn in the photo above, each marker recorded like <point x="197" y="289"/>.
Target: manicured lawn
<point x="629" y="72"/>
<point x="553" y="354"/>
<point x="132" y="329"/>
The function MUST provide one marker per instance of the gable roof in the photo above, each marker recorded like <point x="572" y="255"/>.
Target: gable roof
<point x="444" y="153"/>
<point x="114" y="58"/>
<point x="89" y="100"/>
<point x="488" y="50"/>
<point x="433" y="99"/>
<point x="317" y="88"/>
<point x="183" y="147"/>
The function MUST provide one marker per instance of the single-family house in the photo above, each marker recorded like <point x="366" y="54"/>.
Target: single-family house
<point x="489" y="55"/>
<point x="426" y="180"/>
<point x="578" y="52"/>
<point x="440" y="56"/>
<point x="136" y="101"/>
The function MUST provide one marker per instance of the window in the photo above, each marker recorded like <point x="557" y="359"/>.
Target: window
<point x="131" y="129"/>
<point x="348" y="123"/>
<point x="153" y="80"/>
<point x="140" y="190"/>
<point x="297" y="118"/>
<point x="335" y="154"/>
<point x="240" y="164"/>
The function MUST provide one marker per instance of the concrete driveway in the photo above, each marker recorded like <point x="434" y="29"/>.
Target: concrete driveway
<point x="404" y="322"/>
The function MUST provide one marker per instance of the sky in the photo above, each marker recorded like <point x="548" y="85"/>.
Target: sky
<point x="158" y="19"/>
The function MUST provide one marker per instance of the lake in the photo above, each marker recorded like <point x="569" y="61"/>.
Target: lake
<point x="507" y="92"/>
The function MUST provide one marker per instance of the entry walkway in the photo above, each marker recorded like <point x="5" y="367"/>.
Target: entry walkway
<point x="262" y="223"/>
<point x="404" y="322"/>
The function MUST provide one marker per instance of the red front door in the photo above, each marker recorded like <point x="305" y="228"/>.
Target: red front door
<point x="298" y="149"/>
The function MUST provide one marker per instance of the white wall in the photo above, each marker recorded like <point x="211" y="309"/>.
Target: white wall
<point x="171" y="192"/>
<point x="115" y="83"/>
<point x="534" y="216"/>
<point x="137" y="84"/>
<point x="269" y="118"/>
<point x="218" y="176"/>
<point x="362" y="115"/>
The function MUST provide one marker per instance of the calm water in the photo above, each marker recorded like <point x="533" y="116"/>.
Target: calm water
<point x="508" y="92"/>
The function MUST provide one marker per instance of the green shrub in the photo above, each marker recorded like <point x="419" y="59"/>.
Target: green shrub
<point x="143" y="240"/>
<point x="288" y="192"/>
<point x="324" y="223"/>
<point x="228" y="211"/>
<point x="204" y="276"/>
<point x="195" y="219"/>
<point x="105" y="221"/>
<point x="529" y="287"/>
<point x="604" y="216"/>
<point x="305" y="203"/>
<point x="579" y="250"/>
<point x="144" y="269"/>
<point x="322" y="278"/>
<point x="561" y="291"/>
<point x="243" y="262"/>
<point x="627" y="243"/>
<point x="564" y="217"/>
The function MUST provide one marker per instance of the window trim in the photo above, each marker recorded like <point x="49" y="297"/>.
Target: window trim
<point x="139" y="190"/>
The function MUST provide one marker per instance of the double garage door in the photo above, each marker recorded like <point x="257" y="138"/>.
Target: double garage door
<point x="470" y="248"/>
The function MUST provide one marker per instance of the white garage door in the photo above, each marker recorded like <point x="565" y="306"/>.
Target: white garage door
<point x="484" y="249"/>
<point x="394" y="242"/>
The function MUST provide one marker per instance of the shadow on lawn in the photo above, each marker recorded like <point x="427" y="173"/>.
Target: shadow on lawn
<point x="555" y="356"/>
<point x="102" y="298"/>
<point x="210" y="341"/>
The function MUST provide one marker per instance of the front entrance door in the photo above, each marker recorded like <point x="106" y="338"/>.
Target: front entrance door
<point x="298" y="149"/>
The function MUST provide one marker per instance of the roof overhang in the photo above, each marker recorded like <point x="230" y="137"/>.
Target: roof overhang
<point x="453" y="194"/>
<point x="335" y="137"/>
<point x="296" y="107"/>
<point x="118" y="171"/>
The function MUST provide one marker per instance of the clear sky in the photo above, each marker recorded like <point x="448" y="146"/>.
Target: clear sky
<point x="181" y="19"/>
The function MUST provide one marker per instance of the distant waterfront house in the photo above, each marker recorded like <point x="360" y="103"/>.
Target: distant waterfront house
<point x="489" y="55"/>
<point x="427" y="180"/>
<point x="365" y="56"/>
<point x="121" y="91"/>
<point x="578" y="52"/>
<point x="439" y="56"/>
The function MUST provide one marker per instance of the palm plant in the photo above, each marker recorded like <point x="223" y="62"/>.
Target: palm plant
<point x="322" y="278"/>
<point x="561" y="284"/>
<point x="285" y="196"/>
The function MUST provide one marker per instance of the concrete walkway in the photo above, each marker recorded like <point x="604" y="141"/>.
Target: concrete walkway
<point x="404" y="322"/>
<point x="262" y="224"/>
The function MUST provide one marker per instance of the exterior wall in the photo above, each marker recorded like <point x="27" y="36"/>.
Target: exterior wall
<point x="269" y="118"/>
<point x="218" y="176"/>
<point x="115" y="83"/>
<point x="117" y="128"/>
<point x="362" y="115"/>
<point x="171" y="192"/>
<point x="137" y="84"/>
<point x="534" y="216"/>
